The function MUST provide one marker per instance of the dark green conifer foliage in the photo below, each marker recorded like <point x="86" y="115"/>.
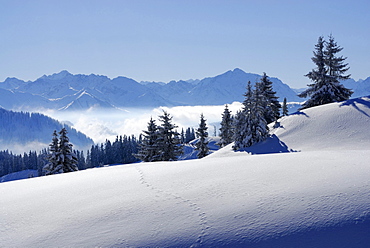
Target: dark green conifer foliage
<point x="61" y="159"/>
<point x="226" y="130"/>
<point x="148" y="148"/>
<point x="271" y="104"/>
<point x="285" y="108"/>
<point x="202" y="145"/>
<point x="250" y="126"/>
<point x="168" y="141"/>
<point x="330" y="68"/>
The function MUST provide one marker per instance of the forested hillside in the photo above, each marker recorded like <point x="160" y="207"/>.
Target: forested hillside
<point x="22" y="131"/>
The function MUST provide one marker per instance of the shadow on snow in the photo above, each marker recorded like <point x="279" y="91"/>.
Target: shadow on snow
<point x="355" y="102"/>
<point x="271" y="145"/>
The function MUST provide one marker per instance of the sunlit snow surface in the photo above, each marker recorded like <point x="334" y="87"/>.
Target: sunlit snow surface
<point x="311" y="188"/>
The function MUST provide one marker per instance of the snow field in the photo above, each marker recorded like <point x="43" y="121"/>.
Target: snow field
<point x="211" y="202"/>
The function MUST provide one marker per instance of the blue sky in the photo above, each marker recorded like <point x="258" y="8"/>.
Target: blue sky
<point x="163" y="40"/>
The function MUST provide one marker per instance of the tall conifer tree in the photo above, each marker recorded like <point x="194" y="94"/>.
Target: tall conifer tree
<point x="68" y="157"/>
<point x="53" y="156"/>
<point x="243" y="121"/>
<point x="250" y="124"/>
<point x="226" y="130"/>
<point x="148" y="148"/>
<point x="202" y="144"/>
<point x="326" y="87"/>
<point x="168" y="141"/>
<point x="285" y="108"/>
<point x="61" y="159"/>
<point x="259" y="124"/>
<point x="271" y="104"/>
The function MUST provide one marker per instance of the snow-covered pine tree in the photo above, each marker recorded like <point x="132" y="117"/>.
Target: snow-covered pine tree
<point x="243" y="121"/>
<point x="202" y="144"/>
<point x="238" y="126"/>
<point x="272" y="106"/>
<point x="326" y="87"/>
<point x="285" y="108"/>
<point x="61" y="158"/>
<point x="68" y="158"/>
<point x="336" y="69"/>
<point x="250" y="124"/>
<point x="226" y="130"/>
<point x="317" y="75"/>
<point x="168" y="141"/>
<point x="260" y="130"/>
<point x="53" y="156"/>
<point x="148" y="148"/>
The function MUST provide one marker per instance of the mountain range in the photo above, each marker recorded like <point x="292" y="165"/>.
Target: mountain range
<point x="65" y="91"/>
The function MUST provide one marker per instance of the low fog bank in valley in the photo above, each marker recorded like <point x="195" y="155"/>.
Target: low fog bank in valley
<point x="107" y="124"/>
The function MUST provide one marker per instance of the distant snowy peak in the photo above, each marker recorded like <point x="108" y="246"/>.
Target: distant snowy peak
<point x="86" y="101"/>
<point x="11" y="83"/>
<point x="57" y="76"/>
<point x="193" y="81"/>
<point x="151" y="82"/>
<point x="231" y="85"/>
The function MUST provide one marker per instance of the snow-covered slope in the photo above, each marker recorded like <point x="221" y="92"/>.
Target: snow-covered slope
<point x="325" y="127"/>
<point x="24" y="174"/>
<point x="318" y="197"/>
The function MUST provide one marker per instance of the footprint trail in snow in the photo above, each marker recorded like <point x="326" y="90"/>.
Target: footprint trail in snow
<point x="202" y="217"/>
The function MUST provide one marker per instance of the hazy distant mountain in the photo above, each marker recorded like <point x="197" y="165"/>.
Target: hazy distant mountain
<point x="360" y="87"/>
<point x="65" y="91"/>
<point x="225" y="88"/>
<point x="231" y="86"/>
<point x="21" y="100"/>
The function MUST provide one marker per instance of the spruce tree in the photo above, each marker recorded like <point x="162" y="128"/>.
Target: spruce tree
<point x="202" y="144"/>
<point x="68" y="157"/>
<point x="259" y="124"/>
<point x="326" y="87"/>
<point x="53" y="156"/>
<point x="250" y="123"/>
<point x="336" y="69"/>
<point x="240" y="130"/>
<point x="271" y="104"/>
<point x="61" y="158"/>
<point x="168" y="141"/>
<point x="148" y="148"/>
<point x="226" y="130"/>
<point x="243" y="121"/>
<point x="285" y="108"/>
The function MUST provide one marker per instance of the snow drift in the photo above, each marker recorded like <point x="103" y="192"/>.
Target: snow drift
<point x="312" y="190"/>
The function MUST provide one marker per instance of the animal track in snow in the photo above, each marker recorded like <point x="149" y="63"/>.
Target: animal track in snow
<point x="195" y="208"/>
